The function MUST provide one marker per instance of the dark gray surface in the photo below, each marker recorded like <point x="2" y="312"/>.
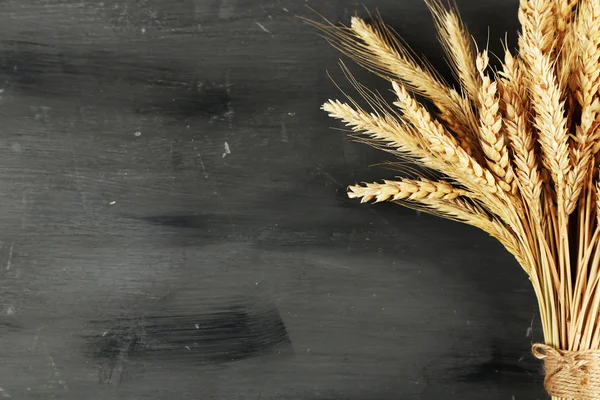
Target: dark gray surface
<point x="140" y="259"/>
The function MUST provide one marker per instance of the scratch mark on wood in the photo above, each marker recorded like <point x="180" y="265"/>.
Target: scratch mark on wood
<point x="229" y="114"/>
<point x="530" y="327"/>
<point x="10" y="254"/>
<point x="328" y="176"/>
<point x="55" y="369"/>
<point x="284" y="132"/>
<point x="202" y="166"/>
<point x="80" y="189"/>
<point x="262" y="27"/>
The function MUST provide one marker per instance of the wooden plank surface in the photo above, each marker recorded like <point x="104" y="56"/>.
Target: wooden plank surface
<point x="175" y="225"/>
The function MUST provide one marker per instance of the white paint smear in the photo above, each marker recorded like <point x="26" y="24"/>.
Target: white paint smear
<point x="227" y="149"/>
<point x="262" y="27"/>
<point x="10" y="254"/>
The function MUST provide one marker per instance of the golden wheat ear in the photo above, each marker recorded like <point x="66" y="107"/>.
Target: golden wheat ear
<point x="492" y="137"/>
<point x="458" y="46"/>
<point x="406" y="189"/>
<point x="521" y="138"/>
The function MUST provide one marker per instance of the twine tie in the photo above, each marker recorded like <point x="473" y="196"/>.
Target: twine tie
<point x="570" y="374"/>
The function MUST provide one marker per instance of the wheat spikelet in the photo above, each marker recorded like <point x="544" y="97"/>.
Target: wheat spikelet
<point x="564" y="15"/>
<point x="563" y="9"/>
<point x="538" y="26"/>
<point x="566" y="64"/>
<point x="565" y="42"/>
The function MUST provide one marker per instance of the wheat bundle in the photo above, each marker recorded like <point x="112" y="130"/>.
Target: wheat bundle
<point x="516" y="153"/>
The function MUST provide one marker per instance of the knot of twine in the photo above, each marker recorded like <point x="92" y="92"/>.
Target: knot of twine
<point x="570" y="374"/>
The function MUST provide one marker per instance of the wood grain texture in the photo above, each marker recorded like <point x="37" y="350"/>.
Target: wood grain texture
<point x="175" y="224"/>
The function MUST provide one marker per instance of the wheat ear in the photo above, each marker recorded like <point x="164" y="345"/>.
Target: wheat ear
<point x="406" y="189"/>
<point x="459" y="47"/>
<point x="490" y="132"/>
<point x="551" y="124"/>
<point x="520" y="136"/>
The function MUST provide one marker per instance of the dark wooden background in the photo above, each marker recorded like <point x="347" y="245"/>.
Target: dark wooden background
<point x="174" y="222"/>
